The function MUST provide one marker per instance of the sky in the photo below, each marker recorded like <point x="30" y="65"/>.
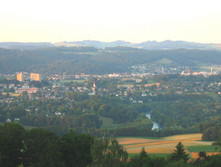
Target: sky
<point x="110" y="20"/>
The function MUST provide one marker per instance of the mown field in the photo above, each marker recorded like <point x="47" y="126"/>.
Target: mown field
<point x="215" y="68"/>
<point x="166" y="145"/>
<point x="68" y="81"/>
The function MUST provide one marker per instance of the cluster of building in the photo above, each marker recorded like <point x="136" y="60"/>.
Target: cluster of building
<point x="33" y="76"/>
<point x="24" y="87"/>
<point x="203" y="73"/>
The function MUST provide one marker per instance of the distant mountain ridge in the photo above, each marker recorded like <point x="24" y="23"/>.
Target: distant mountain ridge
<point x="25" y="45"/>
<point x="96" y="44"/>
<point x="148" y="45"/>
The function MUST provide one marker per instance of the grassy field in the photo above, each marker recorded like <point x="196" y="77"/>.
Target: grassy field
<point x="215" y="96"/>
<point x="161" y="145"/>
<point x="164" y="61"/>
<point x="207" y="68"/>
<point x="67" y="81"/>
<point x="215" y="67"/>
<point x="76" y="52"/>
<point x="206" y="148"/>
<point x="107" y="122"/>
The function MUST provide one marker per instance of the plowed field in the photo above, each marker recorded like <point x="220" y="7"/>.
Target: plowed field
<point x="162" y="145"/>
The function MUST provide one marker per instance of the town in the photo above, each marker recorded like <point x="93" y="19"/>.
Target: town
<point x="136" y="87"/>
<point x="124" y="84"/>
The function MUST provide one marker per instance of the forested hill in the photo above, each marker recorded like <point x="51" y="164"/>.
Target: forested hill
<point x="75" y="60"/>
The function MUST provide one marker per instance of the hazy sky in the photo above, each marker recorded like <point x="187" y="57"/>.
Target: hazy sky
<point x="109" y="20"/>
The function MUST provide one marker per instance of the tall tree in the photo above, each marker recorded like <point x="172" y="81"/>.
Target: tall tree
<point x="108" y="153"/>
<point x="142" y="160"/>
<point x="179" y="153"/>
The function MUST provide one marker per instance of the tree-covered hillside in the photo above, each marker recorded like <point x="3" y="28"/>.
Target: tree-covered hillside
<point x="75" y="60"/>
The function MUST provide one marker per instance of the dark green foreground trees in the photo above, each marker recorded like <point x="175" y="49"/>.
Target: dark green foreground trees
<point x="42" y="148"/>
<point x="39" y="147"/>
<point x="11" y="144"/>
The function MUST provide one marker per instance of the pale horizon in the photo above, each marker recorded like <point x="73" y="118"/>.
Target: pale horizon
<point x="106" y="41"/>
<point x="104" y="20"/>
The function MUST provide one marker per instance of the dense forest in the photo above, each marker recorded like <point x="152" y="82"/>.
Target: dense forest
<point x="39" y="147"/>
<point x="75" y="60"/>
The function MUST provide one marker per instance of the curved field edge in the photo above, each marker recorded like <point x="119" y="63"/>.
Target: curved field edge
<point x="164" y="145"/>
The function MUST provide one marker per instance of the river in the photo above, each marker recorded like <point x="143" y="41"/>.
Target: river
<point x="155" y="124"/>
